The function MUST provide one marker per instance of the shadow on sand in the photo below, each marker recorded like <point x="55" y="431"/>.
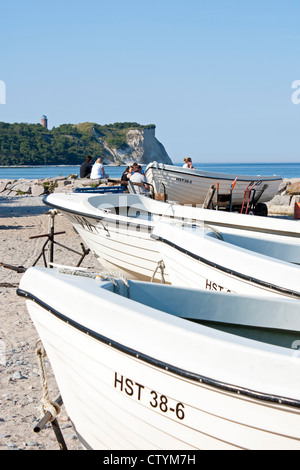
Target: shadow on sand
<point x="21" y="206"/>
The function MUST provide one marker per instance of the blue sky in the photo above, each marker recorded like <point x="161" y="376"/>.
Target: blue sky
<point x="215" y="76"/>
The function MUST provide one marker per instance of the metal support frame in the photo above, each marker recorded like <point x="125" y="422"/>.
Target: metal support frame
<point x="50" y="239"/>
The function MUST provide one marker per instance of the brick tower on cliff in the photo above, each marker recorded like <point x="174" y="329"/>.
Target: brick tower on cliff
<point x="44" y="121"/>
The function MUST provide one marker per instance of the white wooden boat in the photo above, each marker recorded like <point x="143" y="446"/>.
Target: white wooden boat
<point x="188" y="186"/>
<point x="117" y="229"/>
<point x="135" y="373"/>
<point x="205" y="259"/>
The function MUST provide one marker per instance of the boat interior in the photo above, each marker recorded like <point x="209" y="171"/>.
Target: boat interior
<point x="262" y="319"/>
<point x="279" y="249"/>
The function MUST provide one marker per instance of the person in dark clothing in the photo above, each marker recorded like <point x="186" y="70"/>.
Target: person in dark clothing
<point x="86" y="168"/>
<point x="126" y="175"/>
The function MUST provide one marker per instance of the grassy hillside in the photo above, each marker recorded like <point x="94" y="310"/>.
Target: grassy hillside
<point x="68" y="144"/>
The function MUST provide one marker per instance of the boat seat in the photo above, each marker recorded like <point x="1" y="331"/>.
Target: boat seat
<point x="131" y="187"/>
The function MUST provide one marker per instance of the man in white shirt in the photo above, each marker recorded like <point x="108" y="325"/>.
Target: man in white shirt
<point x="139" y="181"/>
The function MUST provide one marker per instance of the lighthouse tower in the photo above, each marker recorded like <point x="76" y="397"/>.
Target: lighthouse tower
<point x="44" y="121"/>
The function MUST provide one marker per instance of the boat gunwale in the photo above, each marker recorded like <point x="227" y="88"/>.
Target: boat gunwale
<point x="203" y="380"/>
<point x="116" y="218"/>
<point x="212" y="175"/>
<point x="149" y="225"/>
<point x="106" y="216"/>
<point x="219" y="223"/>
<point x="272" y="287"/>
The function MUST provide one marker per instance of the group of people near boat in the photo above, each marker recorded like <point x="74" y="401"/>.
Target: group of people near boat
<point x="133" y="173"/>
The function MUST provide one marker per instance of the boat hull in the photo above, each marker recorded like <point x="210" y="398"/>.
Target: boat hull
<point x="117" y="229"/>
<point x="120" y="247"/>
<point x="200" y="258"/>
<point x="161" y="384"/>
<point x="191" y="186"/>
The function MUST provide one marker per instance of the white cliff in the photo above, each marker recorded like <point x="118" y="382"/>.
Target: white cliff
<point x="141" y="146"/>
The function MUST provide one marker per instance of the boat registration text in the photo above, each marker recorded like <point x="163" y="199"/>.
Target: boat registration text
<point x="210" y="285"/>
<point x="150" y="397"/>
<point x="183" y="180"/>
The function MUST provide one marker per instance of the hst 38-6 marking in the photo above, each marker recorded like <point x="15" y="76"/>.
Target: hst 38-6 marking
<point x="150" y="397"/>
<point x="210" y="285"/>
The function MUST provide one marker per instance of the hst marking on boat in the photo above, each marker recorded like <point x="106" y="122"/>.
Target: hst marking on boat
<point x="150" y="397"/>
<point x="183" y="180"/>
<point x="85" y="224"/>
<point x="210" y="285"/>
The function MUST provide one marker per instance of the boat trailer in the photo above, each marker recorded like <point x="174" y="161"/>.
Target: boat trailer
<point x="253" y="192"/>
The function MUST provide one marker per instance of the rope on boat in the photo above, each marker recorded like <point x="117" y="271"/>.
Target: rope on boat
<point x="116" y="278"/>
<point x="113" y="276"/>
<point x="72" y="270"/>
<point x="160" y="265"/>
<point x="105" y="275"/>
<point x="48" y="406"/>
<point x="51" y="408"/>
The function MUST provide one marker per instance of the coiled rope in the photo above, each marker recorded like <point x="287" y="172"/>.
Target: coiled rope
<point x="47" y="405"/>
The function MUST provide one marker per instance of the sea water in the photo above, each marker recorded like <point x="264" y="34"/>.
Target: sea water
<point x="285" y="170"/>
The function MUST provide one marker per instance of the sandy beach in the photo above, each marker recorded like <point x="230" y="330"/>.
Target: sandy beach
<point x="22" y="217"/>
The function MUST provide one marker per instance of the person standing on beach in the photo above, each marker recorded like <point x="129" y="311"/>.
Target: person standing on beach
<point x="86" y="167"/>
